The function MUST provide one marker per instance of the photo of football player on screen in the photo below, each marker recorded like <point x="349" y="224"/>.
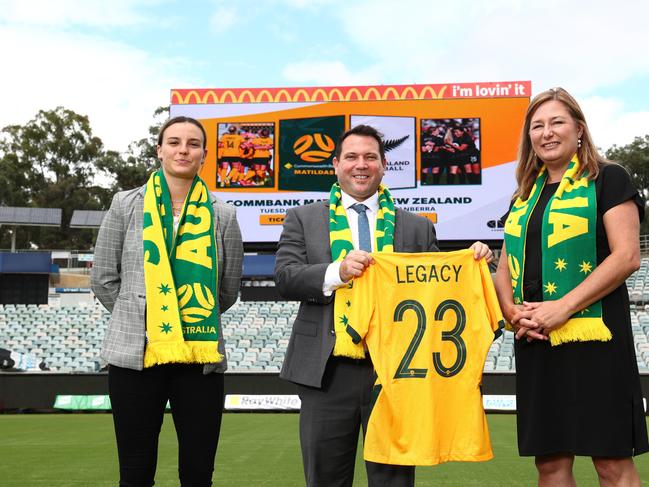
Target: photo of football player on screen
<point x="245" y="155"/>
<point x="450" y="151"/>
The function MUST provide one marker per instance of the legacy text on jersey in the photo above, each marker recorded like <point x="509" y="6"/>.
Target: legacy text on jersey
<point x="427" y="273"/>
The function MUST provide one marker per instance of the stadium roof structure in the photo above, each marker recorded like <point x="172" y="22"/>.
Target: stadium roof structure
<point x="18" y="216"/>
<point x="22" y="216"/>
<point x="87" y="218"/>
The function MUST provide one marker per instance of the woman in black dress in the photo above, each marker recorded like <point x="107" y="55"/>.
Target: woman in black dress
<point x="577" y="382"/>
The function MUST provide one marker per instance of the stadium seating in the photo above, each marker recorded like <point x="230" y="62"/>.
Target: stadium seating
<point x="68" y="339"/>
<point x="638" y="283"/>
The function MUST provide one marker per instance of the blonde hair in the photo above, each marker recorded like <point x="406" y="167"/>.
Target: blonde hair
<point x="529" y="164"/>
<point x="448" y="136"/>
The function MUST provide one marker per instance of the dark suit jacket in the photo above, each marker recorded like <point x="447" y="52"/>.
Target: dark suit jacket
<point x="303" y="255"/>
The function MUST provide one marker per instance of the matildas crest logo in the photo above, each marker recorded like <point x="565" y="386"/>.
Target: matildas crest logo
<point x="196" y="302"/>
<point x="514" y="268"/>
<point x="314" y="148"/>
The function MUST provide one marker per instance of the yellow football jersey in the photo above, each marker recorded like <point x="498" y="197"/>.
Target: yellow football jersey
<point x="265" y="142"/>
<point x="428" y="320"/>
<point x="231" y="143"/>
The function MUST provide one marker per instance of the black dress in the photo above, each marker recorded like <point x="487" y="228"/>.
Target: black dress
<point x="581" y="398"/>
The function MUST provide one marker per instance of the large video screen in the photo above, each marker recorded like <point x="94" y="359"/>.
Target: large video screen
<point x="450" y="149"/>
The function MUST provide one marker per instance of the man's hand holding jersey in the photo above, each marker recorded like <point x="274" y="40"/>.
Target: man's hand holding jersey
<point x="354" y="264"/>
<point x="481" y="250"/>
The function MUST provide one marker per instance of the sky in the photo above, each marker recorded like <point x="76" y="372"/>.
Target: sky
<point x="117" y="61"/>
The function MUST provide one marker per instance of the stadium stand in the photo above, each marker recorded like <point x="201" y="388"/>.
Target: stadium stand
<point x="68" y="338"/>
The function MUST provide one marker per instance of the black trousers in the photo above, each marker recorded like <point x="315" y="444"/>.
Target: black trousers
<point x="330" y="421"/>
<point x="138" y="400"/>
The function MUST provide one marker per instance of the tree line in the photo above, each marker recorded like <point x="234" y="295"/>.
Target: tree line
<point x="55" y="161"/>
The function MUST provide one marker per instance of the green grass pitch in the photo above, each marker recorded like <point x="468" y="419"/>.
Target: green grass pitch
<point x="59" y="450"/>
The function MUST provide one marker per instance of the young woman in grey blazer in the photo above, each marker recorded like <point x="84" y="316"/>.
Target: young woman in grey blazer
<point x="143" y="374"/>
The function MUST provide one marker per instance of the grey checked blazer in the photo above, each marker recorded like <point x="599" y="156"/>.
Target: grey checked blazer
<point x="303" y="255"/>
<point x="118" y="275"/>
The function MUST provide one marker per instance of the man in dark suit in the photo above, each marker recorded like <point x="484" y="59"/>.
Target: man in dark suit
<point x="336" y="391"/>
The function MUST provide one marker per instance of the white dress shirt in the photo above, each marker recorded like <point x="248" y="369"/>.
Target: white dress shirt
<point x="332" y="279"/>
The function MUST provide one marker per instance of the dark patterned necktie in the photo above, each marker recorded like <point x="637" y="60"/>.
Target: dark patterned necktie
<point x="364" y="237"/>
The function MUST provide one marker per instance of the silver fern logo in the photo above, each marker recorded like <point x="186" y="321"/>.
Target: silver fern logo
<point x="391" y="144"/>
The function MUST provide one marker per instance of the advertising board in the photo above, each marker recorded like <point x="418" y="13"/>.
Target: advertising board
<point x="450" y="149"/>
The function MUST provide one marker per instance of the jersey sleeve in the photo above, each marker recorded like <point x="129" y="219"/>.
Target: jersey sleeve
<point x="491" y="299"/>
<point x="361" y="305"/>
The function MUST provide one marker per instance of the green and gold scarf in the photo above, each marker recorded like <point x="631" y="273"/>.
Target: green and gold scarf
<point x="348" y="343"/>
<point x="568" y="249"/>
<point x="180" y="275"/>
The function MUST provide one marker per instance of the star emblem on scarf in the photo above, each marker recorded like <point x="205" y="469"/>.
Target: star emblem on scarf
<point x="164" y="289"/>
<point x="585" y="310"/>
<point x="165" y="328"/>
<point x="560" y="264"/>
<point x="585" y="267"/>
<point x="344" y="320"/>
<point x="164" y="308"/>
<point x="348" y="303"/>
<point x="550" y="288"/>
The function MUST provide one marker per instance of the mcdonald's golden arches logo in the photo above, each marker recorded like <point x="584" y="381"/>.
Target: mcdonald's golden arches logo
<point x="314" y="148"/>
<point x="322" y="94"/>
<point x="337" y="93"/>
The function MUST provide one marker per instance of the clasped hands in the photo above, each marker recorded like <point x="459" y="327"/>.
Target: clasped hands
<point x="356" y="261"/>
<point x="535" y="320"/>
